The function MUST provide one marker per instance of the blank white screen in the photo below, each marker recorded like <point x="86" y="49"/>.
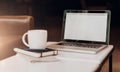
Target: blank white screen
<point x="86" y="26"/>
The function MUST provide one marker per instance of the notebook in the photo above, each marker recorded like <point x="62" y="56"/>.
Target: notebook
<point x="84" y="31"/>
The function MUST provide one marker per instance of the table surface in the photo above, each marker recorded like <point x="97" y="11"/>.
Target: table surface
<point x="65" y="62"/>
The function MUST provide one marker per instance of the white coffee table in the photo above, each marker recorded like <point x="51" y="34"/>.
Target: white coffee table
<point x="65" y="63"/>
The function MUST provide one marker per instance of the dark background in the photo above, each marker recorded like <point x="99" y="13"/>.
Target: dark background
<point x="55" y="8"/>
<point x="48" y="14"/>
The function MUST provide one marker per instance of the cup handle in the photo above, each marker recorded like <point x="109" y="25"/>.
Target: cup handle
<point x="23" y="39"/>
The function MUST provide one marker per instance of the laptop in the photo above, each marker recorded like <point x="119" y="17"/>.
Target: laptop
<point x="84" y="31"/>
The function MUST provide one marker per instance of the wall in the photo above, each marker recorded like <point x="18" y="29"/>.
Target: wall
<point x="14" y="7"/>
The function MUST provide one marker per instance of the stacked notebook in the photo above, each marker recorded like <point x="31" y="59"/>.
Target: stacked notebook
<point x="37" y="55"/>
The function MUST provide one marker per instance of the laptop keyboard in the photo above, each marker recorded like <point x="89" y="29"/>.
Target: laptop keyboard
<point x="81" y="45"/>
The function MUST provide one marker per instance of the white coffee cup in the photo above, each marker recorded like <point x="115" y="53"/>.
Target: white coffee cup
<point x="37" y="39"/>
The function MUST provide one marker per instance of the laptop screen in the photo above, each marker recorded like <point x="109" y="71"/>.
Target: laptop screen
<point x="86" y="25"/>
